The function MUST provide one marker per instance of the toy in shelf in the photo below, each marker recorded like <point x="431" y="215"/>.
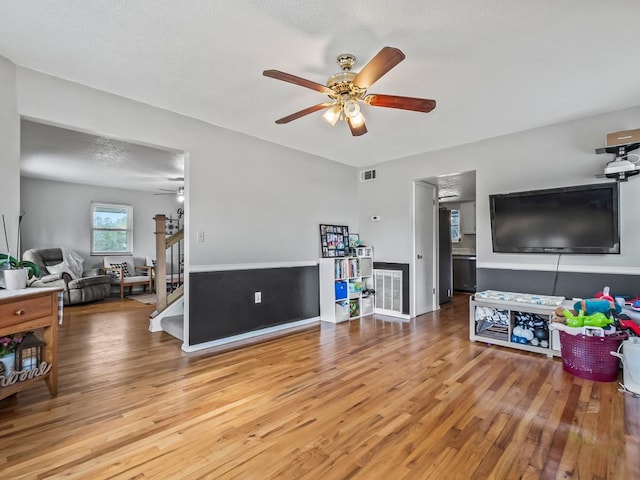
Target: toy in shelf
<point x="530" y="328"/>
<point x="492" y="322"/>
<point x="354" y="308"/>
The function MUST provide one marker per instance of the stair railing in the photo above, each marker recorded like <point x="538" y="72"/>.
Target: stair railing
<point x="169" y="278"/>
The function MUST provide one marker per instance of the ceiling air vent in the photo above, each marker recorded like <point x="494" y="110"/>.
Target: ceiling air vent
<point x="366" y="175"/>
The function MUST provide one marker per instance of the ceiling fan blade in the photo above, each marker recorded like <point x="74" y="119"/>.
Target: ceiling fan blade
<point x="287" y="77"/>
<point x="385" y="60"/>
<point x="357" y="131"/>
<point x="404" y="103"/>
<point x="302" y="113"/>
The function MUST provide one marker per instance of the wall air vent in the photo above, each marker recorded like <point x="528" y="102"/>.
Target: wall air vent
<point x="367" y="175"/>
<point x="388" y="285"/>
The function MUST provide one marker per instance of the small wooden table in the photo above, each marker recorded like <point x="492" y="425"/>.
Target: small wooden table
<point x="26" y="310"/>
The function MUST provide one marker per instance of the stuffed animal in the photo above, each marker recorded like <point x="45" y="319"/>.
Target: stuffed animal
<point x="597" y="319"/>
<point x="595" y="305"/>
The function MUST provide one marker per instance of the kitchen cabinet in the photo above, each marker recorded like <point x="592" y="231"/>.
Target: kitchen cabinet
<point x="468" y="218"/>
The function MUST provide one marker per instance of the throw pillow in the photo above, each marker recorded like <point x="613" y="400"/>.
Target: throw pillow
<point x="123" y="266"/>
<point x="61" y="268"/>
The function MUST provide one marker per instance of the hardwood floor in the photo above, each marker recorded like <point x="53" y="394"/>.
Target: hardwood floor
<point x="369" y="399"/>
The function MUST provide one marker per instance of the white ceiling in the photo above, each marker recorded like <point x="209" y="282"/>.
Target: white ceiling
<point x="54" y="153"/>
<point x="494" y="67"/>
<point x="457" y="187"/>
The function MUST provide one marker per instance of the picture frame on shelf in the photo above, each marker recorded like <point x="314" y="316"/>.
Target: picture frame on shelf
<point x="354" y="240"/>
<point x="334" y="240"/>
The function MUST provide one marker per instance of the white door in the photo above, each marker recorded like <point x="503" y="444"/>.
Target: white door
<point x="424" y="258"/>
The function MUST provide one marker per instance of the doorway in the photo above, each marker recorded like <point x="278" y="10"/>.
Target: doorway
<point x="424" y="249"/>
<point x="450" y="192"/>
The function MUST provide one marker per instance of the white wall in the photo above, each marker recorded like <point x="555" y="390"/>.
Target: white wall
<point x="58" y="214"/>
<point x="9" y="156"/>
<point x="255" y="201"/>
<point x="553" y="156"/>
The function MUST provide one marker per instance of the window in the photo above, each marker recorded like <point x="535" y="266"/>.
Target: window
<point x="111" y="228"/>
<point x="455" y="226"/>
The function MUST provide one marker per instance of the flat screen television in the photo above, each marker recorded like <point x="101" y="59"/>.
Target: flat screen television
<point x="580" y="219"/>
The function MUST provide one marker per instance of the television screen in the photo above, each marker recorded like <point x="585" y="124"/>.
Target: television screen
<point x="580" y="219"/>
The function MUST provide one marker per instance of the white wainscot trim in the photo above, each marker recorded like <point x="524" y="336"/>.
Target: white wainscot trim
<point x="250" y="266"/>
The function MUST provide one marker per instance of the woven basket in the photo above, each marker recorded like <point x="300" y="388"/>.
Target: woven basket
<point x="588" y="357"/>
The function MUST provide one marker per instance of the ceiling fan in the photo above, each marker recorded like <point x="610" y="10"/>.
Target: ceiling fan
<point x="347" y="90"/>
<point x="179" y="193"/>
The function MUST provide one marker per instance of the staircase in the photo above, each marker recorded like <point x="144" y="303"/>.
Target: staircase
<point x="169" y="281"/>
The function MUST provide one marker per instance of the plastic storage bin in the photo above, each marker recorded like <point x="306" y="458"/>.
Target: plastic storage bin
<point x="342" y="290"/>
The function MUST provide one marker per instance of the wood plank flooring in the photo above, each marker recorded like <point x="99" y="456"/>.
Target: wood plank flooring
<point x="370" y="399"/>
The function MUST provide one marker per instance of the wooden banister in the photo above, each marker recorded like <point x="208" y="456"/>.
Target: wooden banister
<point x="161" y="262"/>
<point x="164" y="243"/>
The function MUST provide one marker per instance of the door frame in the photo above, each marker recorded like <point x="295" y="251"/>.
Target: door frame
<point x="433" y="255"/>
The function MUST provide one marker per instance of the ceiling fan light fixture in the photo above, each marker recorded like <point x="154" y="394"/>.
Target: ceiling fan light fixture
<point x="351" y="109"/>
<point x="180" y="194"/>
<point x="357" y="119"/>
<point x="332" y="115"/>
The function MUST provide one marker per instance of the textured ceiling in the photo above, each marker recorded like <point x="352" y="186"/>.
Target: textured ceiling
<point x="53" y="153"/>
<point x="494" y="67"/>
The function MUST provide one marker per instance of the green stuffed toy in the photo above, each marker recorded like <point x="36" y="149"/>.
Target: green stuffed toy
<point x="597" y="319"/>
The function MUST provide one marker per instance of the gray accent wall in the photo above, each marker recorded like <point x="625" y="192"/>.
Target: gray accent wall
<point x="223" y="302"/>
<point x="567" y="284"/>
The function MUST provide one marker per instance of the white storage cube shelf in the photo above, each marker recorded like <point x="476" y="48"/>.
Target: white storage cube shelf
<point x="494" y="321"/>
<point x="342" y="283"/>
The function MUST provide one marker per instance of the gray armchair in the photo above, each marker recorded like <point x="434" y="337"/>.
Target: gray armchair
<point x="91" y="286"/>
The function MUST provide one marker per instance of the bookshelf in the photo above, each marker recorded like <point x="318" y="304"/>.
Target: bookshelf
<point x="344" y="285"/>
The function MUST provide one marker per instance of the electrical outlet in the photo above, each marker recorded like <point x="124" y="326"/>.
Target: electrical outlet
<point x="200" y="236"/>
<point x="258" y="297"/>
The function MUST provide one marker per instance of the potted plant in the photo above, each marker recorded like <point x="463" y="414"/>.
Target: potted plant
<point x="8" y="347"/>
<point x="14" y="274"/>
<point x="7" y="262"/>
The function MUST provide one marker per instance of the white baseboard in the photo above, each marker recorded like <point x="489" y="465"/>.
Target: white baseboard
<point x="250" y="335"/>
<point x="391" y="313"/>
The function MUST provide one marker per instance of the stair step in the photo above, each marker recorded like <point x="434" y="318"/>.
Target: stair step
<point x="174" y="326"/>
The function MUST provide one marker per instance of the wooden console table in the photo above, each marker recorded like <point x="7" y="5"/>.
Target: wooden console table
<point x="26" y="310"/>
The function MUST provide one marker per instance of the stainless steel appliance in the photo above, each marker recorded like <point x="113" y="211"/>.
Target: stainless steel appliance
<point x="445" y="270"/>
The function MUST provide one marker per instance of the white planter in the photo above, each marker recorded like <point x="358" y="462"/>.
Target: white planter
<point x="15" y="279"/>
<point x="8" y="362"/>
